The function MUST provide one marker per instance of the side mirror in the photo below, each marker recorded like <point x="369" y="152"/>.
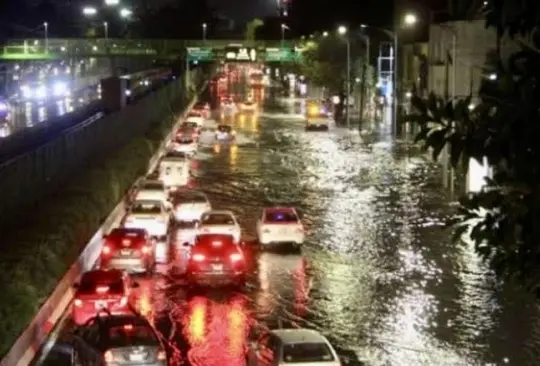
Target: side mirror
<point x="135" y="285"/>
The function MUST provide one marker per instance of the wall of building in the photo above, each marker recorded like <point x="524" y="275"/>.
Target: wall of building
<point x="474" y="43"/>
<point x="413" y="68"/>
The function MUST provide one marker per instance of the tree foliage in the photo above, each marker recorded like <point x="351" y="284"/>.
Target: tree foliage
<point x="251" y="29"/>
<point x="325" y="63"/>
<point x="502" y="130"/>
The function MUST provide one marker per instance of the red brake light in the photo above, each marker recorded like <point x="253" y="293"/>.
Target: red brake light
<point x="123" y="301"/>
<point x="78" y="303"/>
<point x="106" y="249"/>
<point x="145" y="250"/>
<point x="128" y="327"/>
<point x="236" y="257"/>
<point x="108" y="356"/>
<point x="198" y="257"/>
<point x="102" y="289"/>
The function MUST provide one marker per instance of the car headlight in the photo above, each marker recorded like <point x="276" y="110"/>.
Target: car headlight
<point x="41" y="92"/>
<point x="128" y="92"/>
<point x="60" y="89"/>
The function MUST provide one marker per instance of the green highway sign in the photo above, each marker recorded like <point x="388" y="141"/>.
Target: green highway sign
<point x="200" y="54"/>
<point x="281" y="55"/>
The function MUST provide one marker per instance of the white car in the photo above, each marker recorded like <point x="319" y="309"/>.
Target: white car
<point x="150" y="215"/>
<point x="185" y="145"/>
<point x="280" y="225"/>
<point x="195" y="119"/>
<point x="290" y="347"/>
<point x="225" y="133"/>
<point x="152" y="190"/>
<point x="220" y="222"/>
<point x="174" y="170"/>
<point x="189" y="205"/>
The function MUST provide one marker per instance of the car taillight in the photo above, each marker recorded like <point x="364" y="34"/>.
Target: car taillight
<point x="108" y="356"/>
<point x="161" y="356"/>
<point x="236" y="257"/>
<point x="106" y="249"/>
<point x="123" y="301"/>
<point x="78" y="303"/>
<point x="198" y="257"/>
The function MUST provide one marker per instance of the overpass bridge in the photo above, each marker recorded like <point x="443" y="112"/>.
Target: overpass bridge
<point x="197" y="50"/>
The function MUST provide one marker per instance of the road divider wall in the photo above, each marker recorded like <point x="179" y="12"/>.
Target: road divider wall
<point x="34" y="174"/>
<point x="45" y="259"/>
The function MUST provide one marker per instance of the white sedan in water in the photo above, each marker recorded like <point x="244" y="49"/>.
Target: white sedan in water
<point x="220" y="222"/>
<point x="280" y="225"/>
<point x="150" y="215"/>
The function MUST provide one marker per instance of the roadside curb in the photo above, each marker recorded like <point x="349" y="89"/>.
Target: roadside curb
<point x="32" y="339"/>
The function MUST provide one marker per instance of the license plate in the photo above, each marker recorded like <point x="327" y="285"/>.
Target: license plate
<point x="136" y="357"/>
<point x="125" y="252"/>
<point x="100" y="305"/>
<point x="217" y="267"/>
<point x="126" y="242"/>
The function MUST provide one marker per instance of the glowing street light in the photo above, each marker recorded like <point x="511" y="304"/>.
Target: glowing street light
<point x="342" y="30"/>
<point x="410" y="19"/>
<point x="89" y="11"/>
<point x="325" y="34"/>
<point x="125" y="13"/>
<point x="112" y="2"/>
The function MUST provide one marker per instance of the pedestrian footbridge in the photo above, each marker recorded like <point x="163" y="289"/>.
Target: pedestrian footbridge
<point x="196" y="50"/>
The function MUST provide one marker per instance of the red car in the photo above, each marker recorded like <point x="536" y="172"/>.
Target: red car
<point x="216" y="260"/>
<point x="202" y="108"/>
<point x="101" y="289"/>
<point x="128" y="249"/>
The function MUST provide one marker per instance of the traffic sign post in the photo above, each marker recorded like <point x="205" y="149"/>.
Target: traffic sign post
<point x="200" y="54"/>
<point x="282" y="55"/>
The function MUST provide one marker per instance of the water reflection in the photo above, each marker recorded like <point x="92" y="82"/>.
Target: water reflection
<point x="216" y="331"/>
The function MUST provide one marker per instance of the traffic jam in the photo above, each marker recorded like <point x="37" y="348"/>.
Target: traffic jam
<point x="171" y="229"/>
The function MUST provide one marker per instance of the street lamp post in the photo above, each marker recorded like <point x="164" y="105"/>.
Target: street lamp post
<point x="283" y="28"/>
<point x="106" y="30"/>
<point x="46" y="26"/>
<point x="342" y="30"/>
<point x="204" y="32"/>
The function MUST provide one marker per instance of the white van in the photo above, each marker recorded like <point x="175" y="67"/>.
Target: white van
<point x="174" y="170"/>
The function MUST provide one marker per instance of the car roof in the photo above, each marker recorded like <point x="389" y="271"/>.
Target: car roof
<point x="147" y="202"/>
<point x="302" y="335"/>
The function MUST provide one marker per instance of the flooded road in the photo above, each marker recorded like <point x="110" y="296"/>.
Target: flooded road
<point x="378" y="273"/>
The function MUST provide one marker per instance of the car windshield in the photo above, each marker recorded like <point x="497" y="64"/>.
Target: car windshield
<point x="307" y="352"/>
<point x="131" y="335"/>
<point x="225" y="129"/>
<point x="105" y="284"/>
<point x="149" y="207"/>
<point x="281" y="217"/>
<point x="123" y="233"/>
<point x="190" y="125"/>
<point x="217" y="219"/>
<point x="153" y="186"/>
<point x="181" y="140"/>
<point x="194" y="114"/>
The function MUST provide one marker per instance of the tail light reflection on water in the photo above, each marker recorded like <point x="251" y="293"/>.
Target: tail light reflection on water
<point x="216" y="332"/>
